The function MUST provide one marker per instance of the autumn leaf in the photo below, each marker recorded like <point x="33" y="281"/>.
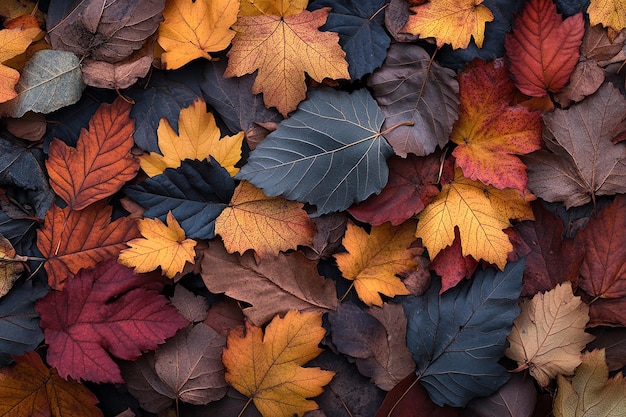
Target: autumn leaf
<point x="549" y="334"/>
<point x="12" y="43"/>
<point x="71" y="240"/>
<point x="103" y="312"/>
<point x="489" y="131"/>
<point x="198" y="138"/>
<point x="268" y="368"/>
<point x="516" y="398"/>
<point x="278" y="8"/>
<point x="450" y="21"/>
<point x="451" y="265"/>
<point x="11" y="265"/>
<point x="193" y="29"/>
<point x="264" y="224"/>
<point x="100" y="164"/>
<point x="373" y="260"/>
<point x="282" y="49"/>
<point x="29" y="388"/>
<point x="609" y="13"/>
<point x="543" y="49"/>
<point x="480" y="212"/>
<point x="162" y="246"/>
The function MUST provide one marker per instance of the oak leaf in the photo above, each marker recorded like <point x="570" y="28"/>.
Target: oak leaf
<point x="162" y="246"/>
<point x="198" y="138"/>
<point x="103" y="312"/>
<point x="609" y="13"/>
<point x="100" y="164"/>
<point x="480" y="212"/>
<point x="590" y="392"/>
<point x="489" y="131"/>
<point x="11" y="265"/>
<point x="29" y="388"/>
<point x="549" y="334"/>
<point x="12" y="43"/>
<point x="373" y="259"/>
<point x="71" y="240"/>
<point x="268" y="368"/>
<point x="282" y="49"/>
<point x="450" y="21"/>
<point x="194" y="29"/>
<point x="264" y="224"/>
<point x="543" y="49"/>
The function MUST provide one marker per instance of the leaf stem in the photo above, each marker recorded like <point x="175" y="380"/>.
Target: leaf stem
<point x="244" y="407"/>
<point x="406" y="391"/>
<point x="377" y="12"/>
<point x="389" y="129"/>
<point x="347" y="292"/>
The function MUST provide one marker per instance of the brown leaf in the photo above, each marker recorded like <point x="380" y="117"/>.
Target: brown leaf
<point x="613" y="341"/>
<point x="585" y="80"/>
<point x="329" y="229"/>
<point x="516" y="398"/>
<point x="11" y="266"/>
<point x="597" y="45"/>
<point x="31" y="126"/>
<point x="118" y="75"/>
<point x="193" y="308"/>
<point x="224" y="316"/>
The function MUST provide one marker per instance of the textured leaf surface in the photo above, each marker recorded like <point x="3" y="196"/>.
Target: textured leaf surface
<point x="328" y="153"/>
<point x="609" y="13"/>
<point x="71" y="240"/>
<point x="451" y="265"/>
<point x="101" y="162"/>
<point x="277" y="8"/>
<point x="410" y="87"/>
<point x="549" y="334"/>
<point x="11" y="266"/>
<point x="458" y="338"/>
<point x="516" y="398"/>
<point x="29" y="388"/>
<point x="264" y="224"/>
<point x="106" y="310"/>
<point x="195" y="193"/>
<point x="543" y="48"/>
<point x="12" y="43"/>
<point x="268" y="367"/>
<point x="119" y="75"/>
<point x="193" y="30"/>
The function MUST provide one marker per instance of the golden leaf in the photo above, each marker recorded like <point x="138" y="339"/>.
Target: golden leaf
<point x="282" y="8"/>
<point x="12" y="43"/>
<point x="609" y="13"/>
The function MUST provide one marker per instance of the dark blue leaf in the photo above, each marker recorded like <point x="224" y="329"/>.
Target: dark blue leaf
<point x="329" y="153"/>
<point x="359" y="24"/>
<point x="196" y="193"/>
<point x="458" y="338"/>
<point x="571" y="7"/>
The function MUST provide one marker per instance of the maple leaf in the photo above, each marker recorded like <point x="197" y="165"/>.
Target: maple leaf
<point x="265" y="224"/>
<point x="29" y="388"/>
<point x="193" y="29"/>
<point x="101" y="163"/>
<point x="543" y="49"/>
<point x="278" y="8"/>
<point x="480" y="212"/>
<point x="450" y="21"/>
<point x="11" y="266"/>
<point x="282" y="49"/>
<point x="489" y="131"/>
<point x="268" y="368"/>
<point x="609" y="13"/>
<point x="590" y="392"/>
<point x="198" y="138"/>
<point x="374" y="259"/>
<point x="549" y="334"/>
<point x="161" y="246"/>
<point x="12" y="43"/>
<point x="71" y="240"/>
<point x="108" y="308"/>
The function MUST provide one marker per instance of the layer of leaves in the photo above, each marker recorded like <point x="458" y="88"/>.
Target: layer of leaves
<point x="516" y="398"/>
<point x="11" y="266"/>
<point x="12" y="43"/>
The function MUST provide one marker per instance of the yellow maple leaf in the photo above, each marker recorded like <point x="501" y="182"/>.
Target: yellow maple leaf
<point x="481" y="213"/>
<point x="450" y="21"/>
<point x="198" y="138"/>
<point x="609" y="13"/>
<point x="374" y="259"/>
<point x="162" y="246"/>
<point x="549" y="334"/>
<point x="282" y="49"/>
<point x="265" y="224"/>
<point x="268" y="369"/>
<point x="282" y="8"/>
<point x="591" y="392"/>
<point x="193" y="29"/>
<point x="12" y="43"/>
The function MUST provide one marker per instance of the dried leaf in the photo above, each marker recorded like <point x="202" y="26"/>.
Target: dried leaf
<point x="11" y="266"/>
<point x="609" y="13"/>
<point x="516" y="398"/>
<point x="119" y="75"/>
<point x="193" y="308"/>
<point x="585" y="80"/>
<point x="12" y="43"/>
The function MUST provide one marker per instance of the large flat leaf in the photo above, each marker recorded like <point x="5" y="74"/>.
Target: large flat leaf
<point x="457" y="339"/>
<point x="329" y="153"/>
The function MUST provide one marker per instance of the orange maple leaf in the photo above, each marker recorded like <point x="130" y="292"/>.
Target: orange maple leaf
<point x="101" y="163"/>
<point x="265" y="224"/>
<point x="71" y="240"/>
<point x="12" y="43"/>
<point x="282" y="49"/>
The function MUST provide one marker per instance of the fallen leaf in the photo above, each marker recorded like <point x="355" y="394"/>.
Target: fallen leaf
<point x="590" y="392"/>
<point x="268" y="368"/>
<point x="30" y="127"/>
<point x="12" y="43"/>
<point x="282" y="49"/>
<point x="277" y="8"/>
<point x="29" y="388"/>
<point x="450" y="21"/>
<point x="103" y="312"/>
<point x="516" y="398"/>
<point x="119" y="75"/>
<point x="490" y="132"/>
<point x="585" y="80"/>
<point x="597" y="46"/>
<point x="373" y="259"/>
<point x="543" y="48"/>
<point x="329" y="231"/>
<point x="549" y="334"/>
<point x="193" y="308"/>
<point x="100" y="164"/>
<point x="609" y="13"/>
<point x="613" y="341"/>
<point x="267" y="225"/>
<point x="162" y="246"/>
<point x="451" y="265"/>
<point x="11" y="265"/>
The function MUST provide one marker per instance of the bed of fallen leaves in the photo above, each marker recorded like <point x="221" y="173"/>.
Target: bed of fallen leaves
<point x="332" y="208"/>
